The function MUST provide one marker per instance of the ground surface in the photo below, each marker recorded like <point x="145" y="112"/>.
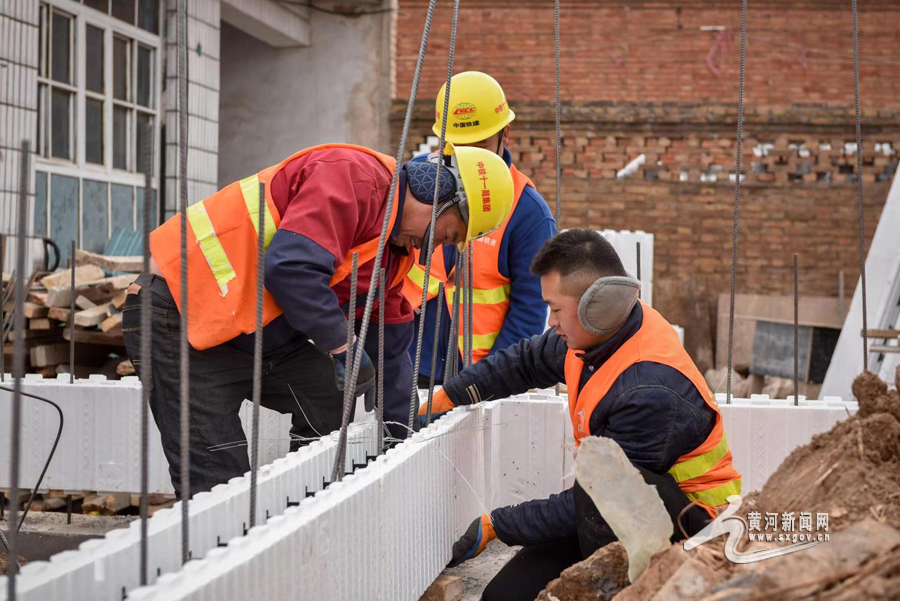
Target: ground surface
<point x="476" y="573"/>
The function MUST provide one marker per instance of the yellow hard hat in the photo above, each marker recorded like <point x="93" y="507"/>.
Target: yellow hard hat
<point x="488" y="188"/>
<point x="478" y="108"/>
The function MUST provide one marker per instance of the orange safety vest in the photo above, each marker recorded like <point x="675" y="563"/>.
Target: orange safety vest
<point x="490" y="288"/>
<point x="222" y="243"/>
<point x="705" y="474"/>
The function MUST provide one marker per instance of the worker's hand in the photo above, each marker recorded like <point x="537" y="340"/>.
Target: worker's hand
<point x="440" y="404"/>
<point x="365" y="382"/>
<point x="473" y="542"/>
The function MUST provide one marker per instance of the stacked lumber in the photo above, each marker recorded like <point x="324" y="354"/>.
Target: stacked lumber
<point x="99" y="298"/>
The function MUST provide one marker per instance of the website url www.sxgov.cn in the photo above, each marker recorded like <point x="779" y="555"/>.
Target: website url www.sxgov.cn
<point x="787" y="537"/>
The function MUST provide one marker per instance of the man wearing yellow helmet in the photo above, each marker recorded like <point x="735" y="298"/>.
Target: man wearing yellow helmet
<point x="507" y="303"/>
<point x="322" y="205"/>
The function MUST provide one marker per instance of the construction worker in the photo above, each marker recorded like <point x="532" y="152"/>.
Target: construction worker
<point x="323" y="204"/>
<point x="506" y="295"/>
<point x="629" y="379"/>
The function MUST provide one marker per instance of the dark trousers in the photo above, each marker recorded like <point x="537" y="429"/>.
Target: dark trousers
<point x="534" y="567"/>
<point x="298" y="380"/>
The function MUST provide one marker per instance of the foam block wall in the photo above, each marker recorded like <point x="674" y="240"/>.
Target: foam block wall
<point x="100" y="444"/>
<point x="102" y="569"/>
<point x="762" y="432"/>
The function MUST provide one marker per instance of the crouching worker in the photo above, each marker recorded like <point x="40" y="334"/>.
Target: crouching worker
<point x="322" y="205"/>
<point x="629" y="379"/>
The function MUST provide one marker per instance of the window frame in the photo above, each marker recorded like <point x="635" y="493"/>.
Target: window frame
<point x="78" y="167"/>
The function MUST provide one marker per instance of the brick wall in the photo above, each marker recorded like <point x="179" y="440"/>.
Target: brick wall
<point x="645" y="80"/>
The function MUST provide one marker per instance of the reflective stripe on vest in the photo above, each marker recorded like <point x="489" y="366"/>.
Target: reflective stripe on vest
<point x="705" y="474"/>
<point x="491" y="290"/>
<point x="222" y="254"/>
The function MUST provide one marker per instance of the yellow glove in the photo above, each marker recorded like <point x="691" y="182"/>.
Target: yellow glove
<point x="440" y="403"/>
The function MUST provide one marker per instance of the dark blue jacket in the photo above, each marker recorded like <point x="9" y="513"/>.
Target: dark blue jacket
<point x="652" y="411"/>
<point x="529" y="227"/>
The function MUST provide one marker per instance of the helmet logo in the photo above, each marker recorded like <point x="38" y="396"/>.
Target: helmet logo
<point x="485" y="191"/>
<point x="500" y="107"/>
<point x="464" y="111"/>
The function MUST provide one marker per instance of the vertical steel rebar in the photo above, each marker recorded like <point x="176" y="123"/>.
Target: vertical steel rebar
<point x="184" y="348"/>
<point x="18" y="372"/>
<point x="841" y="294"/>
<point x="737" y="195"/>
<point x="556" y="36"/>
<point x="258" y="347"/>
<point x="453" y="341"/>
<point x="379" y="409"/>
<point x="3" y="314"/>
<point x="434" y="350"/>
<point x="72" y="321"/>
<point x="414" y="393"/>
<point x="859" y="189"/>
<point x="796" y="332"/>
<point x="464" y="301"/>
<point x="340" y="456"/>
<point x="638" y="259"/>
<point x="470" y="305"/>
<point x="146" y="360"/>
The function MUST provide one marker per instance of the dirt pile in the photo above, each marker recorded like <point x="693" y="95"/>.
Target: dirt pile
<point x="852" y="473"/>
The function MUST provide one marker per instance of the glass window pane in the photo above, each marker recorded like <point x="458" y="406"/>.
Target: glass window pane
<point x="94" y="62"/>
<point x="43" y="132"/>
<point x="120" y="137"/>
<point x="121" y="62"/>
<point x="144" y="76"/>
<point x="42" y="48"/>
<point x="100" y="5"/>
<point x="61" y="126"/>
<point x="123" y="9"/>
<point x="148" y="15"/>
<point x="93" y="135"/>
<point x="60" y="47"/>
<point x="144" y="125"/>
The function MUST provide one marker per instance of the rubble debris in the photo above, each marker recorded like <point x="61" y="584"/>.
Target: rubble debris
<point x="599" y="577"/>
<point x="4" y="559"/>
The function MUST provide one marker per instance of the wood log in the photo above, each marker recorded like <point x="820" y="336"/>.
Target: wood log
<point x="32" y="310"/>
<point x="110" y="263"/>
<point x="84" y="303"/>
<point x="91" y="317"/>
<point x="114" y="322"/>
<point x="97" y="291"/>
<point x="83" y="273"/>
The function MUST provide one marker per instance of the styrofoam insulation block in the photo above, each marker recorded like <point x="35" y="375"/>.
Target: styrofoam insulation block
<point x="386" y="531"/>
<point x="762" y="432"/>
<point x="100" y="444"/>
<point x="102" y="569"/>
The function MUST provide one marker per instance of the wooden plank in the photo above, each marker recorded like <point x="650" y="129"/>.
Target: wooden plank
<point x="876" y="333"/>
<point x="91" y="317"/>
<point x="132" y="264"/>
<point x="39" y="298"/>
<point x="99" y="290"/>
<point x="44" y="323"/>
<point x="118" y="300"/>
<point x="112" y="323"/>
<point x="83" y="273"/>
<point x="49" y="354"/>
<point x="884" y="349"/>
<point x="95" y="337"/>
<point x="125" y="368"/>
<point x="83" y="302"/>
<point x="32" y="310"/>
<point x="59" y="314"/>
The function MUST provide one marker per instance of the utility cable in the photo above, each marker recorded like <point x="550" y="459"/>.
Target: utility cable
<point x="859" y="190"/>
<point x="382" y="239"/>
<point x="429" y="248"/>
<point x="737" y="193"/>
<point x="184" y="349"/>
<point x="258" y="348"/>
<point x="146" y="360"/>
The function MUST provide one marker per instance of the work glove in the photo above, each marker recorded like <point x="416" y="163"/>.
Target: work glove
<point x="474" y="541"/>
<point x="365" y="382"/>
<point x="440" y="404"/>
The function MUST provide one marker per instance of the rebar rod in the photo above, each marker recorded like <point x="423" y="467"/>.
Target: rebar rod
<point x="429" y="244"/>
<point x="638" y="269"/>
<point x="796" y="333"/>
<point x="146" y="356"/>
<point x="379" y="400"/>
<point x="434" y="350"/>
<point x="470" y="305"/>
<point x="184" y="349"/>
<point x="453" y="340"/>
<point x="258" y="349"/>
<point x="18" y="373"/>
<point x="340" y="458"/>
<point x="556" y="35"/>
<point x="464" y="310"/>
<point x="3" y="312"/>
<point x="859" y="188"/>
<point x="382" y="239"/>
<point x="72" y="321"/>
<point x="737" y="194"/>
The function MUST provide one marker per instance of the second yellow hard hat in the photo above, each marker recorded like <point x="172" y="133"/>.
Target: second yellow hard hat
<point x="478" y="108"/>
